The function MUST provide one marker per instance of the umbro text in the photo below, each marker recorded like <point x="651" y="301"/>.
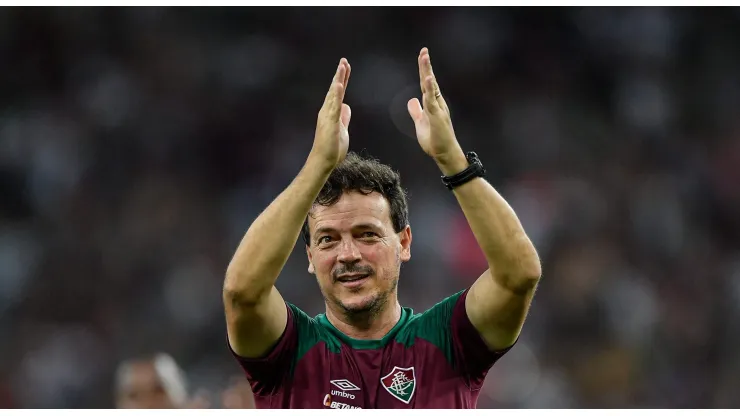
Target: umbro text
<point x="342" y="394"/>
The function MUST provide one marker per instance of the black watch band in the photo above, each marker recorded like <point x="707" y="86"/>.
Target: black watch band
<point x="474" y="170"/>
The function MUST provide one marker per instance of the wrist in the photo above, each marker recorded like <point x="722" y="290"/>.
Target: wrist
<point x="319" y="165"/>
<point x="452" y="163"/>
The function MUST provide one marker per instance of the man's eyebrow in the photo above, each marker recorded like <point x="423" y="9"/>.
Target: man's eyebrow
<point x="360" y="226"/>
<point x="366" y="226"/>
<point x="324" y="230"/>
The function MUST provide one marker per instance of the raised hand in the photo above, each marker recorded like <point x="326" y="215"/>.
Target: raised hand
<point x="331" y="140"/>
<point x="432" y="122"/>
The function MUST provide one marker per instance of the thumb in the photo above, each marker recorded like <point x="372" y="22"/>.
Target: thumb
<point x="415" y="110"/>
<point x="346" y="115"/>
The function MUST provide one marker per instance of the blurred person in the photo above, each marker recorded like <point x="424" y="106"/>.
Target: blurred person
<point x="366" y="351"/>
<point x="238" y="395"/>
<point x="151" y="383"/>
<point x="158" y="382"/>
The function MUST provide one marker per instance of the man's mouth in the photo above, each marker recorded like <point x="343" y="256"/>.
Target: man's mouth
<point x="346" y="278"/>
<point x="352" y="281"/>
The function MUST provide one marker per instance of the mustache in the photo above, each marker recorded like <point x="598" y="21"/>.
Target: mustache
<point x="352" y="269"/>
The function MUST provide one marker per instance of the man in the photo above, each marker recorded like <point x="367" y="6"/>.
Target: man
<point x="157" y="382"/>
<point x="367" y="351"/>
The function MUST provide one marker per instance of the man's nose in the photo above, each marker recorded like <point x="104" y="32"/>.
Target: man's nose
<point x="348" y="252"/>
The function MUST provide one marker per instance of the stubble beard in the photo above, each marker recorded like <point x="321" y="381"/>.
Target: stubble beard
<point x="372" y="308"/>
<point x="369" y="309"/>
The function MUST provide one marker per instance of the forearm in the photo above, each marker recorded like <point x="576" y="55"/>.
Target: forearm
<point x="510" y="253"/>
<point x="265" y="248"/>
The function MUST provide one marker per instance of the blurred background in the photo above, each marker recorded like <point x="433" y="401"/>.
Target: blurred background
<point x="138" y="144"/>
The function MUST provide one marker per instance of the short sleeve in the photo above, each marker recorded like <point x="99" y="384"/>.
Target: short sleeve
<point x="447" y="326"/>
<point x="470" y="352"/>
<point x="266" y="374"/>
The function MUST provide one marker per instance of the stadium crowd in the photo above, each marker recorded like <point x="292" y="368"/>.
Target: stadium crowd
<point x="137" y="145"/>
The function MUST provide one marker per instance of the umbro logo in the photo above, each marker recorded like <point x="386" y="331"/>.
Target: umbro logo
<point x="344" y="385"/>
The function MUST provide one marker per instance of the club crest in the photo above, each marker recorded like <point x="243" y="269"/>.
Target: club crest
<point x="400" y="383"/>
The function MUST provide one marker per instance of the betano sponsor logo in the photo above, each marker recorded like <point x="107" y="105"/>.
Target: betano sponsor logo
<point x="330" y="403"/>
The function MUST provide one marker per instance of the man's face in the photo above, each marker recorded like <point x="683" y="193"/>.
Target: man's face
<point x="141" y="388"/>
<point x="355" y="253"/>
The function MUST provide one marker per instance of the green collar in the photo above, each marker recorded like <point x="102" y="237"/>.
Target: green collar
<point x="367" y="344"/>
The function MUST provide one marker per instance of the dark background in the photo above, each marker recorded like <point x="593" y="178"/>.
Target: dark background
<point x="138" y="144"/>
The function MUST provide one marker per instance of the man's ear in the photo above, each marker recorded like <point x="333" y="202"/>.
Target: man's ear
<point x="405" y="239"/>
<point x="310" y="262"/>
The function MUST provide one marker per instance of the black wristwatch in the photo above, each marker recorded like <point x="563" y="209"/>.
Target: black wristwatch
<point x="474" y="170"/>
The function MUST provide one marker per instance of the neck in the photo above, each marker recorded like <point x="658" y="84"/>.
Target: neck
<point x="370" y="325"/>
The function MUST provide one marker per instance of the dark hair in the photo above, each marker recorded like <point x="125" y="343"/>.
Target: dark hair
<point x="364" y="174"/>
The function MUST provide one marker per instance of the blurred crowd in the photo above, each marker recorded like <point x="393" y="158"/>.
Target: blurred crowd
<point x="138" y="144"/>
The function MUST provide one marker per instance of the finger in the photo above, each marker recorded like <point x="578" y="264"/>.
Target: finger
<point x="415" y="110"/>
<point x="345" y="82"/>
<point x="426" y="70"/>
<point x="437" y="93"/>
<point x="338" y="77"/>
<point x="430" y="82"/>
<point x="346" y="115"/>
<point x="336" y="90"/>
<point x="421" y="73"/>
<point x="335" y="104"/>
<point x="431" y="103"/>
<point x="345" y="78"/>
<point x="424" y="66"/>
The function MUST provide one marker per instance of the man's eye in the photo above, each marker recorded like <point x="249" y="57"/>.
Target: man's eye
<point x="368" y="234"/>
<point x="325" y="239"/>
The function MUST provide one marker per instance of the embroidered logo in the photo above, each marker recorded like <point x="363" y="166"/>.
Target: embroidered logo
<point x="400" y="383"/>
